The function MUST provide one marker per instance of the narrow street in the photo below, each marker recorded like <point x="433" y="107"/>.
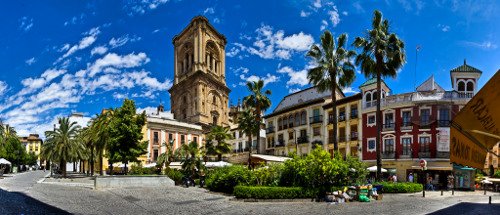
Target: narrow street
<point x="21" y="194"/>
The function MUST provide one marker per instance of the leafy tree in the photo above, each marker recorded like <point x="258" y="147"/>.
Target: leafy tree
<point x="13" y="150"/>
<point x="383" y="55"/>
<point x="357" y="170"/>
<point x="334" y="69"/>
<point x="100" y="134"/>
<point x="62" y="144"/>
<point x="246" y="124"/>
<point x="30" y="159"/>
<point x="125" y="130"/>
<point x="259" y="101"/>
<point x="165" y="158"/>
<point x="216" y="143"/>
<point x="191" y="161"/>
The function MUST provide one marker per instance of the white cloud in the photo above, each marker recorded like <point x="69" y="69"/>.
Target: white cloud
<point x="359" y="8"/>
<point x="99" y="50"/>
<point x="209" y="10"/>
<point x="216" y="20"/>
<point x="345" y="13"/>
<point x="141" y="7"/>
<point x="241" y="70"/>
<point x="75" y="19"/>
<point x="117" y="61"/>
<point x="317" y="3"/>
<point x="267" y="79"/>
<point x="3" y="87"/>
<point x="293" y="90"/>
<point x="296" y="77"/>
<point x="84" y="43"/>
<point x="269" y="44"/>
<point x="444" y="28"/>
<point x="334" y="16"/>
<point x="31" y="61"/>
<point x="304" y="14"/>
<point x="25" y="23"/>
<point x="415" y="5"/>
<point x="486" y="45"/>
<point x="349" y="90"/>
<point x="324" y="24"/>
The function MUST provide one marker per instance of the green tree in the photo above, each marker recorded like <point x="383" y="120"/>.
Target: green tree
<point x="259" y="101"/>
<point x="87" y="139"/>
<point x="126" y="134"/>
<point x="62" y="144"/>
<point x="30" y="159"/>
<point x="13" y="151"/>
<point x="191" y="160"/>
<point x="216" y="143"/>
<point x="383" y="55"/>
<point x="247" y="125"/>
<point x="333" y="70"/>
<point x="100" y="134"/>
<point x="165" y="158"/>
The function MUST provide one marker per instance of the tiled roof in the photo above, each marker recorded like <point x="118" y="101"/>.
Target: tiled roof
<point x="466" y="68"/>
<point x="371" y="81"/>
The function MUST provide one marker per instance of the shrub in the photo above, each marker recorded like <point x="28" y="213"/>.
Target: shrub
<point x="245" y="192"/>
<point x="226" y="178"/>
<point x="269" y="175"/>
<point x="497" y="174"/>
<point x="401" y="187"/>
<point x="175" y="175"/>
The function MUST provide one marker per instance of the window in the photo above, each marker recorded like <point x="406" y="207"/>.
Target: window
<point x="371" y="145"/>
<point x="303" y="118"/>
<point x="470" y="86"/>
<point x="317" y="131"/>
<point x="371" y="119"/>
<point x="406" y="142"/>
<point x="444" y="117"/>
<point x="461" y="86"/>
<point x="285" y="123"/>
<point x="290" y="135"/>
<point x="155" y="138"/>
<point x="406" y="118"/>
<point x="303" y="133"/>
<point x="290" y="121"/>
<point x="354" y="112"/>
<point x="280" y="124"/>
<point x="316" y="112"/>
<point x="389" y="145"/>
<point x="342" y="114"/>
<point x="425" y="115"/>
<point x="155" y="154"/>
<point x="170" y="137"/>
<point x="389" y="120"/>
<point x="280" y="137"/>
<point x="425" y="144"/>
<point x="195" y="139"/>
<point x="182" y="139"/>
<point x="240" y="146"/>
<point x="234" y="135"/>
<point x="297" y="119"/>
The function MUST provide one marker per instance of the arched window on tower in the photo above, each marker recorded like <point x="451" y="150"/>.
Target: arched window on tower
<point x="461" y="86"/>
<point x="470" y="86"/>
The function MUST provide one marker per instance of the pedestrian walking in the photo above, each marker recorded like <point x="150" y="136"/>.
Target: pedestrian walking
<point x="410" y="178"/>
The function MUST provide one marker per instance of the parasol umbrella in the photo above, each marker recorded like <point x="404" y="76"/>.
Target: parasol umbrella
<point x="374" y="169"/>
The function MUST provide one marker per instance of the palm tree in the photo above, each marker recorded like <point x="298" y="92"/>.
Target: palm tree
<point x="62" y="144"/>
<point x="383" y="55"/>
<point x="100" y="134"/>
<point x="246" y="124"/>
<point x="191" y="158"/>
<point x="217" y="141"/>
<point x="259" y="101"/>
<point x="87" y="139"/>
<point x="165" y="158"/>
<point x="333" y="70"/>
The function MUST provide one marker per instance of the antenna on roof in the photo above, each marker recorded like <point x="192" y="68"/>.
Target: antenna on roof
<point x="417" y="49"/>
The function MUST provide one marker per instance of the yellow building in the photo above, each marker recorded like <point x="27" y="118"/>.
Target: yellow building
<point x="33" y="143"/>
<point x="492" y="160"/>
<point x="348" y="125"/>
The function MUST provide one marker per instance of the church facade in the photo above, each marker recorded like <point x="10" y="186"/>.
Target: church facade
<point x="199" y="94"/>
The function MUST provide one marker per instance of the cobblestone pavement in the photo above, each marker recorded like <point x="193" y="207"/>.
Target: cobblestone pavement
<point x="178" y="200"/>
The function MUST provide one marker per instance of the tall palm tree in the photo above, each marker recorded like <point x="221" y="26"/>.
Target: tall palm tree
<point x="247" y="125"/>
<point x="62" y="144"/>
<point x="87" y="139"/>
<point x="333" y="70"/>
<point x="100" y="134"/>
<point x="259" y="101"/>
<point x="383" y="55"/>
<point x="217" y="141"/>
<point x="191" y="157"/>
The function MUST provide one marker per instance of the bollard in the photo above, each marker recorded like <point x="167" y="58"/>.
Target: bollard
<point x="489" y="202"/>
<point x="452" y="192"/>
<point x="423" y="193"/>
<point x="441" y="192"/>
<point x="484" y="191"/>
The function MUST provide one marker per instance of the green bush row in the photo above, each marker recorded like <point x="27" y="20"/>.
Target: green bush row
<point x="401" y="187"/>
<point x="139" y="170"/>
<point x="245" y="192"/>
<point x="226" y="178"/>
<point x="175" y="175"/>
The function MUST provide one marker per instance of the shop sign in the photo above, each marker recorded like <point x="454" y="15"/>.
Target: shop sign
<point x="465" y="152"/>
<point x="443" y="140"/>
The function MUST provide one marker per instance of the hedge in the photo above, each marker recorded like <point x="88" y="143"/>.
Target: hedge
<point x="401" y="187"/>
<point x="224" y="179"/>
<point x="245" y="192"/>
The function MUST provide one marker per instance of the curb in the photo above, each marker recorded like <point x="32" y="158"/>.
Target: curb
<point x="41" y="180"/>
<point x="71" y="184"/>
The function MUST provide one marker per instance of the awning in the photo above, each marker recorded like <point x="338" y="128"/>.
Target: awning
<point x="4" y="161"/>
<point x="374" y="169"/>
<point x="446" y="168"/>
<point x="270" y="158"/>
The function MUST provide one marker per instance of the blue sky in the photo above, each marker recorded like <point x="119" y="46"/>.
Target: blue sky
<point x="58" y="57"/>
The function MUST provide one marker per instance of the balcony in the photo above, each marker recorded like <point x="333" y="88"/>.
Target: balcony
<point x="270" y="144"/>
<point x="316" y="119"/>
<point x="406" y="125"/>
<point x="270" y="130"/>
<point x="330" y="140"/>
<point x="354" y="136"/>
<point x="302" y="140"/>
<point x="425" y="125"/>
<point x="330" y="119"/>
<point x="156" y="142"/>
<point x="421" y="96"/>
<point x="388" y="127"/>
<point x="388" y="155"/>
<point x="370" y="104"/>
<point x="342" y="117"/>
<point x="443" y="123"/>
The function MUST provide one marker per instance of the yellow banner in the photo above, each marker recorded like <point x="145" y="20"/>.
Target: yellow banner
<point x="465" y="152"/>
<point x="481" y="113"/>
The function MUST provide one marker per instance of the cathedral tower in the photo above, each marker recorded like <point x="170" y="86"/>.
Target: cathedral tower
<point x="199" y="93"/>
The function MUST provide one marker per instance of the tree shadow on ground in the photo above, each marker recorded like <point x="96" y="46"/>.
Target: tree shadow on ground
<point x="20" y="203"/>
<point x="469" y="208"/>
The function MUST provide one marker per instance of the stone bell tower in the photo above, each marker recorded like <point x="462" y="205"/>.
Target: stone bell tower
<point x="199" y="93"/>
